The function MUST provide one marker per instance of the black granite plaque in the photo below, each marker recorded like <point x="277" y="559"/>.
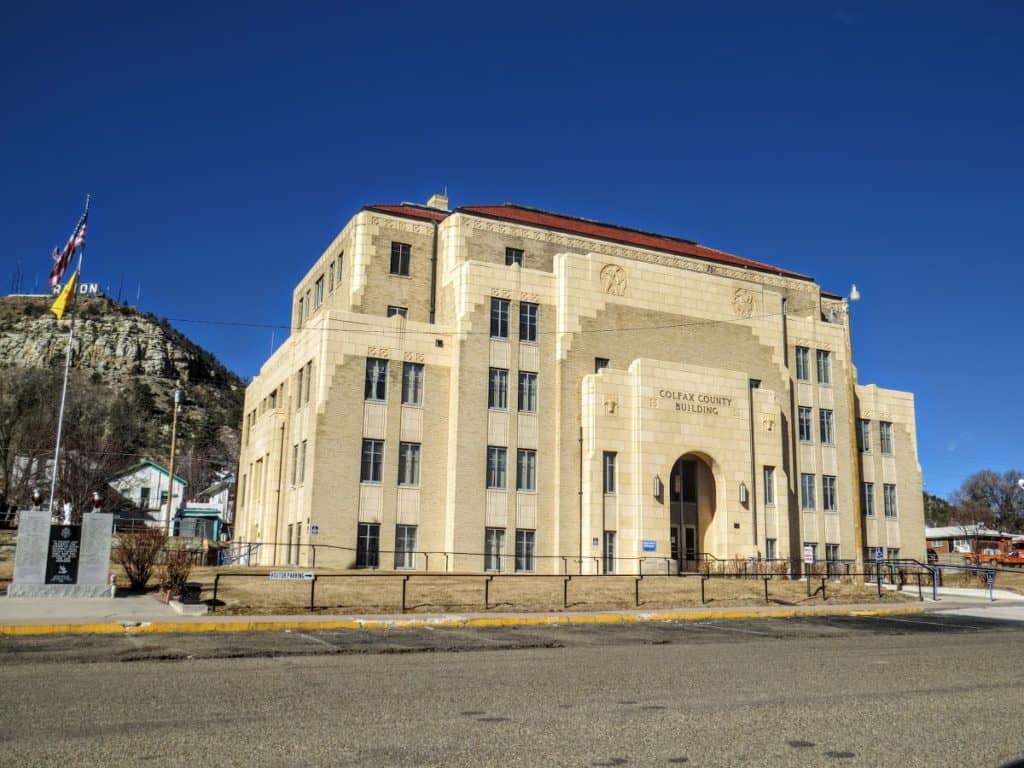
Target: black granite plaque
<point x="62" y="554"/>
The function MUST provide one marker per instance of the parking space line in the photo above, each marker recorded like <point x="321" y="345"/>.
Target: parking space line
<point x="709" y="625"/>
<point x="930" y="623"/>
<point x="310" y="637"/>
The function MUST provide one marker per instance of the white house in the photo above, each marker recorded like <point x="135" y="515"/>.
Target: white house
<point x="143" y="491"/>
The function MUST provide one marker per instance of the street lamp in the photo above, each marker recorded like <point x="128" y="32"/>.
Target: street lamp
<point x="170" y="469"/>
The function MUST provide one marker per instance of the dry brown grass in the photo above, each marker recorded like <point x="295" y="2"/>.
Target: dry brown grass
<point x="357" y="592"/>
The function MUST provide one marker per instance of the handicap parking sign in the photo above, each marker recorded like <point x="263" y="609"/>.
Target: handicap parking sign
<point x="879" y="554"/>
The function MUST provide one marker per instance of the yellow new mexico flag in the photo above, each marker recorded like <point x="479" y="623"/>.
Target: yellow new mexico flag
<point x="66" y="296"/>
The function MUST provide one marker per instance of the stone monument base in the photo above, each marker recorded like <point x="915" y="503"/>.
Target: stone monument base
<point x="58" y="590"/>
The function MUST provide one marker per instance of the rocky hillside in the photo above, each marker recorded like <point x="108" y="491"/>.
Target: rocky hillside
<point x="135" y="355"/>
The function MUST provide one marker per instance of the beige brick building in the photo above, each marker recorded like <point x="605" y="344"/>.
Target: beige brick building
<point x="501" y="388"/>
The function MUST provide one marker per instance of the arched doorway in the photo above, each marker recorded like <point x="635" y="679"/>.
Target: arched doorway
<point x="691" y="509"/>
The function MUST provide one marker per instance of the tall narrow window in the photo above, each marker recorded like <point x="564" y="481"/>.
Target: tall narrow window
<point x="803" y="364"/>
<point x="299" y="312"/>
<point x="832" y="553"/>
<point x="828" y="493"/>
<point x="298" y="388"/>
<point x="318" y="292"/>
<point x="405" y="547"/>
<point x="807" y="491"/>
<point x="889" y="491"/>
<point x="309" y="380"/>
<point x="609" y="472"/>
<point x="513" y="256"/>
<point x="525" y="550"/>
<point x="609" y="552"/>
<point x="295" y="464"/>
<point x="400" y="253"/>
<point x="496" y="467"/>
<point x="302" y="461"/>
<point x="368" y="545"/>
<point x="409" y="464"/>
<point x="804" y="422"/>
<point x="527" y="392"/>
<point x="824" y="367"/>
<point x="867" y="499"/>
<point x="497" y="389"/>
<point x="885" y="437"/>
<point x="769" y="486"/>
<point x="825" y="426"/>
<point x="771" y="549"/>
<point x="376" y="379"/>
<point x="499" y="318"/>
<point x="526" y="470"/>
<point x="528" y="315"/>
<point x="412" y="384"/>
<point x="372" y="468"/>
<point x="330" y="276"/>
<point x="494" y="549"/>
<point x="864" y="435"/>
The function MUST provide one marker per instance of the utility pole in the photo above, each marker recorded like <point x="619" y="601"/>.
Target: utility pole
<point x="168" y="520"/>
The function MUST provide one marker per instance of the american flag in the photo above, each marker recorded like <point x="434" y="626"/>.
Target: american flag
<point x="62" y="257"/>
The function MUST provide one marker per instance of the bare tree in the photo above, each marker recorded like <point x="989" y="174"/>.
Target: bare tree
<point x="992" y="499"/>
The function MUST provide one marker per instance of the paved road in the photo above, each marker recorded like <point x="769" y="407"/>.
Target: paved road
<point x="911" y="691"/>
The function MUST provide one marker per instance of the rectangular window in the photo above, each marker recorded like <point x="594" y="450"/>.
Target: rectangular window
<point x="889" y="493"/>
<point x="769" y="486"/>
<point x="526" y="470"/>
<point x="496" y="469"/>
<point x="824" y="367"/>
<point x="609" y="472"/>
<point x="527" y="392"/>
<point x="803" y="364"/>
<point x="341" y="260"/>
<point x="513" y="256"/>
<point x="330" y="276"/>
<point x="864" y="435"/>
<point x="372" y="469"/>
<point x="412" y="383"/>
<point x="600" y="363"/>
<point x="867" y="499"/>
<point x="144" y="497"/>
<point x="399" y="311"/>
<point x="400" y="258"/>
<point x="299" y="316"/>
<point x="892" y="553"/>
<point x="494" y="549"/>
<point x="828" y="493"/>
<point x="298" y="389"/>
<point x="405" y="547"/>
<point x="528" y="315"/>
<point x="376" y="387"/>
<point x="288" y="545"/>
<point x="807" y="491"/>
<point x="804" y="421"/>
<point x="497" y="389"/>
<point x="885" y="437"/>
<point x="771" y="549"/>
<point x="832" y="553"/>
<point x="309" y="379"/>
<point x="525" y="553"/>
<point x="368" y="546"/>
<point x="409" y="464"/>
<point x="609" y="552"/>
<point x="302" y="462"/>
<point x="499" y="318"/>
<point x="825" y="426"/>
<point x="318" y="292"/>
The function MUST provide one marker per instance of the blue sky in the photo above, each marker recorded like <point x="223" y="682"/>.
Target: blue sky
<point x="225" y="145"/>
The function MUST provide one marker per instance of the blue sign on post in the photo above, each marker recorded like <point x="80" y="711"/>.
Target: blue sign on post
<point x="879" y="554"/>
<point x="650" y="545"/>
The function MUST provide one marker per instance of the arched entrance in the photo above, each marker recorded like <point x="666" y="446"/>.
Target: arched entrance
<point x="691" y="509"/>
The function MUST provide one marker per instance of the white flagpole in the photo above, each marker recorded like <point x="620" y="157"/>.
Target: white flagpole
<point x="64" y="389"/>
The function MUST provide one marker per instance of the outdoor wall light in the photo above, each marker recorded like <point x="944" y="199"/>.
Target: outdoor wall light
<point x="658" y="487"/>
<point x="743" y="492"/>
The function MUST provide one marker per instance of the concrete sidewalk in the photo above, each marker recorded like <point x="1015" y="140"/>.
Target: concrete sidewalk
<point x="146" y="614"/>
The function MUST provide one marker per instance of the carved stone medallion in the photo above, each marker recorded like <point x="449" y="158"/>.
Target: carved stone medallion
<point x="743" y="302"/>
<point x="613" y="279"/>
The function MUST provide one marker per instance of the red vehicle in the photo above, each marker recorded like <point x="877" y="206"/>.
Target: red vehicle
<point x="1014" y="558"/>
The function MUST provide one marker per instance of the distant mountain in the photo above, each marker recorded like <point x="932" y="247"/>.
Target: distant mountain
<point x="129" y="362"/>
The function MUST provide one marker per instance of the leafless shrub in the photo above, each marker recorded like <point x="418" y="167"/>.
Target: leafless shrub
<point x="139" y="553"/>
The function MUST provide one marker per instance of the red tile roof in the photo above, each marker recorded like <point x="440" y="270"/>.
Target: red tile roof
<point x="587" y="228"/>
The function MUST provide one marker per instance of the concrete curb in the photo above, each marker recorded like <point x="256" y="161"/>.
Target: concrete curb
<point x="256" y="624"/>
